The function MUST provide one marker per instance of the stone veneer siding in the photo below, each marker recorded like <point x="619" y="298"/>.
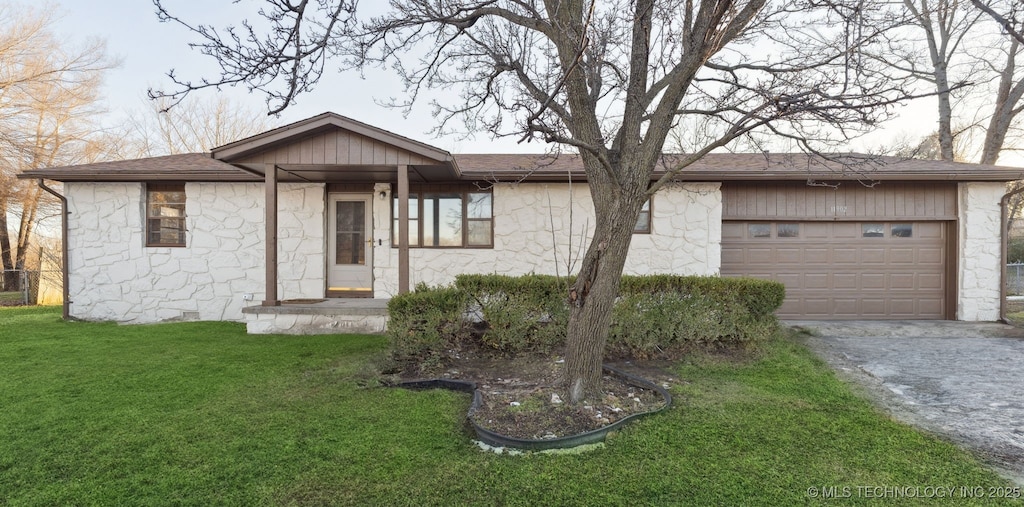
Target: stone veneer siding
<point x="685" y="238"/>
<point x="115" y="276"/>
<point x="979" y="274"/>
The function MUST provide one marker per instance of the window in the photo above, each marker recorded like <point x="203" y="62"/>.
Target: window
<point x="902" y="230"/>
<point x="165" y="214"/>
<point x="643" y="222"/>
<point x="448" y="219"/>
<point x="788" y="230"/>
<point x="872" y="230"/>
<point x="759" y="230"/>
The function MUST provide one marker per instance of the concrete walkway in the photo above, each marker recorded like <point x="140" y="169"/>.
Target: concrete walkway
<point x="964" y="381"/>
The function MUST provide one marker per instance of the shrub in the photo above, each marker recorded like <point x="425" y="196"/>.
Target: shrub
<point x="426" y="322"/>
<point x="522" y="314"/>
<point x="653" y="316"/>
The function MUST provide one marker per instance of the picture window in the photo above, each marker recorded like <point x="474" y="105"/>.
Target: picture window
<point x="447" y="219"/>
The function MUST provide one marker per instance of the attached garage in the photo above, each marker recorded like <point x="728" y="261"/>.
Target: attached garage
<point x="847" y="251"/>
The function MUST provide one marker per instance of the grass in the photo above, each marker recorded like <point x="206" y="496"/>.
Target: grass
<point x="10" y="297"/>
<point x="201" y="413"/>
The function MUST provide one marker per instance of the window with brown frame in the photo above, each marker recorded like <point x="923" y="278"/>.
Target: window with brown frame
<point x="447" y="219"/>
<point x="165" y="214"/>
<point x="643" y="221"/>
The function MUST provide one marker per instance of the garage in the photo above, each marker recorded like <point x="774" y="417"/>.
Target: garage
<point x="878" y="252"/>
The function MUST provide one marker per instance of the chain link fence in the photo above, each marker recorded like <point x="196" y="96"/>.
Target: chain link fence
<point x="22" y="287"/>
<point x="1015" y="279"/>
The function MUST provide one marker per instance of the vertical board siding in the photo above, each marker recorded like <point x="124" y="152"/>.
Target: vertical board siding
<point x="849" y="201"/>
<point x="337" y="148"/>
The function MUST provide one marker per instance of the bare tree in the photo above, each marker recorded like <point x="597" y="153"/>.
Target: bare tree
<point x="47" y="96"/>
<point x="1008" y="13"/>
<point x="608" y="80"/>
<point x="192" y="126"/>
<point x="944" y="25"/>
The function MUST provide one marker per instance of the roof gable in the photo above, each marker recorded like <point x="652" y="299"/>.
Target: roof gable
<point x="331" y="139"/>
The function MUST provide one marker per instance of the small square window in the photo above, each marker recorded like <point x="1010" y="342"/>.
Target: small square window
<point x="788" y="230"/>
<point x="902" y="230"/>
<point x="759" y="230"/>
<point x="872" y="231"/>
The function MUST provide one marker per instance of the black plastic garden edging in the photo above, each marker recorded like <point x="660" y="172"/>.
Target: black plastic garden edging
<point x="498" y="440"/>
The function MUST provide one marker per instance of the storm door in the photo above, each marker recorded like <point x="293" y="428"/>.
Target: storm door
<point x="350" y="246"/>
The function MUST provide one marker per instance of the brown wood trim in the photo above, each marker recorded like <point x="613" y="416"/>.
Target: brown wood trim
<point x="890" y="200"/>
<point x="270" y="213"/>
<point x="403" y="229"/>
<point x="347" y="188"/>
<point x="952" y="267"/>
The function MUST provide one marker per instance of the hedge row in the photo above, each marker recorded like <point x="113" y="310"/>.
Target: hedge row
<point x="653" y="316"/>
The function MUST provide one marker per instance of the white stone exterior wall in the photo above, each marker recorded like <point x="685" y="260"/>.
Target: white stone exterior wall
<point x="685" y="239"/>
<point x="980" y="273"/>
<point x="115" y="276"/>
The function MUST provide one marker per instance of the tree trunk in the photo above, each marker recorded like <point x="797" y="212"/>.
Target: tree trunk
<point x="945" y="113"/>
<point x="593" y="295"/>
<point x="1005" y="110"/>
<point x="10" y="277"/>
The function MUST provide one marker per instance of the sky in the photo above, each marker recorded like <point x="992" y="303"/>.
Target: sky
<point x="148" y="49"/>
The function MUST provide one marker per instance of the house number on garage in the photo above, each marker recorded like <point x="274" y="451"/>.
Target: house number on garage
<point x="838" y="209"/>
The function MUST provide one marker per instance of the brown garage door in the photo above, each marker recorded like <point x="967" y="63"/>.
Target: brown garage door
<point x="844" y="270"/>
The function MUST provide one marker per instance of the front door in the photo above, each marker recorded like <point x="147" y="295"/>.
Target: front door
<point x="350" y="246"/>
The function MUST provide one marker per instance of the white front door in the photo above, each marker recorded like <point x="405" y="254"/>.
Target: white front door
<point x="350" y="245"/>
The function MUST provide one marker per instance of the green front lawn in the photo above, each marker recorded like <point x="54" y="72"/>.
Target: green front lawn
<point x="11" y="297"/>
<point x="201" y="413"/>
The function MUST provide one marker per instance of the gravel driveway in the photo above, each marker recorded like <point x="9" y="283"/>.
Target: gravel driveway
<point x="964" y="381"/>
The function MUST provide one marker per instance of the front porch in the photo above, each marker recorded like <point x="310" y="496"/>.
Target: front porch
<point x="318" y="316"/>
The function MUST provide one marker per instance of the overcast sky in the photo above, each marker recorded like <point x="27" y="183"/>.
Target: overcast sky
<point x="148" y="48"/>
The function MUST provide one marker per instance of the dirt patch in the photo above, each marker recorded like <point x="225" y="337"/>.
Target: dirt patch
<point x="523" y="397"/>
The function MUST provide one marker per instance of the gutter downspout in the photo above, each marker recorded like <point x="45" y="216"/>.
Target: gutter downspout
<point x="65" y="269"/>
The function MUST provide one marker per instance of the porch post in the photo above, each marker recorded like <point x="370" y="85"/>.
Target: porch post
<point x="270" y="187"/>
<point x="403" y="229"/>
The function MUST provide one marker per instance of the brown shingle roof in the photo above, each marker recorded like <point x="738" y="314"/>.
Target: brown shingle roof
<point x="183" y="167"/>
<point x="742" y="166"/>
<point x="537" y="167"/>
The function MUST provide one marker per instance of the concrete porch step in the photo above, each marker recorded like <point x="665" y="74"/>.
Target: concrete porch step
<point x="326" y="316"/>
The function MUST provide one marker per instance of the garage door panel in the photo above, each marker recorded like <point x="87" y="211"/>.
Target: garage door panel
<point x="905" y="307"/>
<point x="902" y="255"/>
<point x="872" y="307"/>
<point x="928" y="281"/>
<point x="788" y="255"/>
<point x="929" y="230"/>
<point x="902" y="280"/>
<point x="733" y="230"/>
<point x="872" y="255"/>
<point x="844" y="256"/>
<point x="733" y="256"/>
<point x="929" y="255"/>
<point x="832" y="272"/>
<point x="815" y="281"/>
<point x="813" y="230"/>
<point x="930" y="305"/>
<point x="844" y="281"/>
<point x="872" y="281"/>
<point x="815" y="255"/>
